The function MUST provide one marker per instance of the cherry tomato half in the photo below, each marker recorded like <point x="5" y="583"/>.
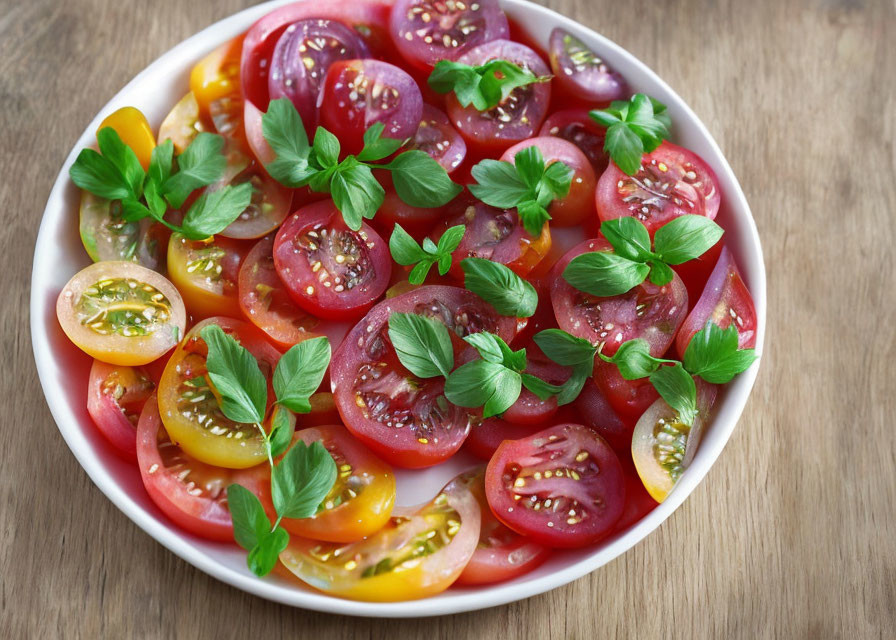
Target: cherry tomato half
<point x="132" y="127"/>
<point x="205" y="272"/>
<point x="190" y="407"/>
<point x="106" y="236"/>
<point x="418" y="553"/>
<point x="182" y="124"/>
<point x="562" y="487"/>
<point x="215" y="83"/>
<point x="115" y="398"/>
<point x="574" y="125"/>
<point x="417" y="221"/>
<point x="329" y="270"/>
<point x="193" y="494"/>
<point x="597" y="412"/>
<point x="628" y="399"/>
<point x="404" y="419"/>
<point x="439" y="139"/>
<point x="581" y="73"/>
<point x="121" y="313"/>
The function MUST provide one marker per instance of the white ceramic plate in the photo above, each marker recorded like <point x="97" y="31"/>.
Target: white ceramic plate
<point x="63" y="370"/>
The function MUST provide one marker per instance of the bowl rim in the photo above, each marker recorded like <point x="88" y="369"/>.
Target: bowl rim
<point x="453" y="601"/>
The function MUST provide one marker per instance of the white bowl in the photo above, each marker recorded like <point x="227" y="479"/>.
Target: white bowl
<point x="63" y="370"/>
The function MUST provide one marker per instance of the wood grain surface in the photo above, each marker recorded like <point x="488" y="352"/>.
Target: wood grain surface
<point x="792" y="534"/>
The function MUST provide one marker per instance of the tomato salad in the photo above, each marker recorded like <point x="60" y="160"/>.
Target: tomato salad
<point x="372" y="234"/>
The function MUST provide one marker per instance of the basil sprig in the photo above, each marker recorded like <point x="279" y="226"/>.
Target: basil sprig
<point x="405" y="251"/>
<point x="484" y="86"/>
<point x="526" y="185"/>
<point x="115" y="173"/>
<point x="419" y="180"/>
<point x="604" y="273"/>
<point x="712" y="354"/>
<point x="498" y="285"/>
<point x="634" y="127"/>
<point x="305" y="475"/>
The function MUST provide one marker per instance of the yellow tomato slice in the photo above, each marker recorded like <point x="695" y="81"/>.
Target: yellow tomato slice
<point x="182" y="123"/>
<point x="132" y="127"/>
<point x="206" y="272"/>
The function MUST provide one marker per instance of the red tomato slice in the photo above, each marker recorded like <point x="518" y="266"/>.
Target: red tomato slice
<point x="329" y="270"/>
<point x="581" y="73"/>
<point x="502" y="554"/>
<point x="648" y="311"/>
<point x="671" y="182"/>
<point x="193" y="494"/>
<point x="597" y="412"/>
<point x="629" y="399"/>
<point x="487" y="436"/>
<point x="439" y="139"/>
<point x="638" y="502"/>
<point x="529" y="409"/>
<point x="417" y="221"/>
<point x="419" y="552"/>
<point x="404" y="419"/>
<point x="562" y="487"/>
<point x="115" y="398"/>
<point x="725" y="300"/>
<point x="574" y="125"/>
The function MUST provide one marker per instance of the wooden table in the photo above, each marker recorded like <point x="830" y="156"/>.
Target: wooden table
<point x="792" y="534"/>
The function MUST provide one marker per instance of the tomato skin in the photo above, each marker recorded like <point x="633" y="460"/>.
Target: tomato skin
<point x="215" y="82"/>
<point x="638" y="502"/>
<point x="329" y="270"/>
<point x="648" y="311"/>
<point x="597" y="413"/>
<point x="205" y="272"/>
<point x="502" y="554"/>
<point x="629" y="399"/>
<point x="115" y="398"/>
<point x="133" y="128"/>
<point x="578" y="205"/>
<point x="428" y="563"/>
<point x="323" y="411"/>
<point x="725" y="299"/>
<point x="417" y="221"/>
<point x="439" y="139"/>
<point x="695" y="273"/>
<point x="672" y="182"/>
<point x="374" y="392"/>
<point x="118" y="344"/>
<point x="575" y="126"/>
<point x="571" y="466"/>
<point x="371" y="482"/>
<point x="189" y="492"/>
<point x="487" y="436"/>
<point x="581" y="73"/>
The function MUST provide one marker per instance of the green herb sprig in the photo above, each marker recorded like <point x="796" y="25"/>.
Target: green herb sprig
<point x="115" y="173"/>
<point x="484" y="86"/>
<point x="526" y="185"/>
<point x="305" y="475"/>
<point x="419" y="180"/>
<point x="497" y="284"/>
<point x="604" y="273"/>
<point x="634" y="127"/>
<point x="406" y="252"/>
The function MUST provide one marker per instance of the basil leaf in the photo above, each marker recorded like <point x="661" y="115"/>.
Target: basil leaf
<point x="263" y="557"/>
<point x="132" y="210"/>
<point x="96" y="174"/>
<point x="498" y="285"/>
<point x="483" y="384"/>
<point x="565" y="349"/>
<point x="543" y="390"/>
<point x="422" y="344"/>
<point x="685" y="238"/>
<point x="487" y="345"/>
<point x="418" y="274"/>
<point x="605" y="118"/>
<point x="156" y="203"/>
<point x="284" y="131"/>
<point x="123" y="158"/>
<point x="420" y="181"/>
<point x="235" y="374"/>
<point x="302" y="479"/>
<point x="199" y="165"/>
<point x="282" y="430"/>
<point x="375" y="146"/>
<point x="356" y="193"/>
<point x="529" y="165"/>
<point x="214" y="211"/>
<point x="625" y="148"/>
<point x="300" y="372"/>
<point x="326" y="148"/>
<point x="250" y="523"/>
<point x="660" y="273"/>
<point x="160" y="162"/>
<point x="451" y="239"/>
<point x="484" y="86"/>
<point x="604" y="274"/>
<point x="430" y="247"/>
<point x="573" y="387"/>
<point x="444" y="263"/>
<point x="533" y="216"/>
<point x="628" y="237"/>
<point x="557" y="179"/>
<point x="713" y="354"/>
<point x="499" y="184"/>
<point x="633" y="359"/>
<point x="404" y="249"/>
<point x="634" y="127"/>
<point x="677" y="388"/>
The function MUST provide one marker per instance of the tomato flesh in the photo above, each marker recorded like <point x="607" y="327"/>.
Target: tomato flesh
<point x="575" y="126"/>
<point x="182" y="124"/>
<point x="132" y="127"/>
<point x="439" y="139"/>
<point x="115" y="398"/>
<point x="106" y="236"/>
<point x="581" y="73"/>
<point x="561" y="487"/>
<point x="205" y="272"/>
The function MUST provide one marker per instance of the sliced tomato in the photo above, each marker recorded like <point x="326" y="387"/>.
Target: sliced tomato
<point x="404" y="419"/>
<point x="486" y="436"/>
<point x="663" y="447"/>
<point x="328" y="269"/>
<point x="519" y="116"/>
<point x="648" y="311"/>
<point x="671" y="182"/>
<point x="597" y="412"/>
<point x="529" y="409"/>
<point x="193" y="494"/>
<point x="575" y="126"/>
<point x="725" y="301"/>
<point x="417" y="221"/>
<point x="205" y="272"/>
<point x="106" y="236"/>
<point x="132" y="127"/>
<point x="360" y="502"/>
<point x="439" y="139"/>
<point x="502" y="554"/>
<point x="561" y="487"/>
<point x="629" y="399"/>
<point x="121" y="313"/>
<point x="418" y="553"/>
<point x="426" y="31"/>
<point x="190" y="407"/>
<point x="323" y="411"/>
<point x="578" y="204"/>
<point x="495" y="234"/>
<point x="695" y="273"/>
<point x="582" y="74"/>
<point x="182" y="124"/>
<point x="215" y="83"/>
<point x="115" y="398"/>
<point x="638" y="502"/>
